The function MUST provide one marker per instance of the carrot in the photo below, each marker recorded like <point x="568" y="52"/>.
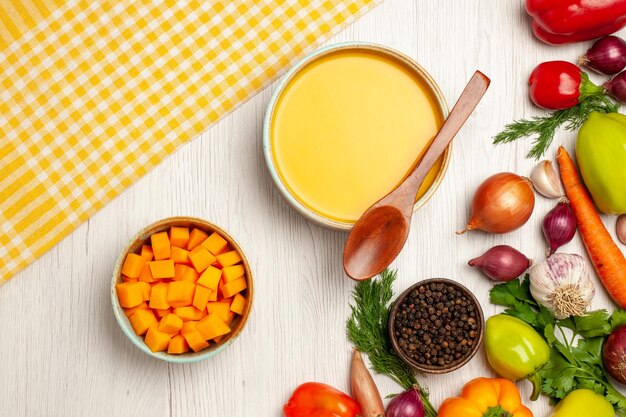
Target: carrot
<point x="607" y="258"/>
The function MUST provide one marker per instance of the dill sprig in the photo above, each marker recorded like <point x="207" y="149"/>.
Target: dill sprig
<point x="367" y="329"/>
<point x="543" y="128"/>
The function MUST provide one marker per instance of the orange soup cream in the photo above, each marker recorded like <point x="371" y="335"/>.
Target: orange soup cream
<point x="349" y="127"/>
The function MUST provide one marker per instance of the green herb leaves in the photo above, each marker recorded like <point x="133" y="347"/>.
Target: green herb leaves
<point x="367" y="328"/>
<point x="576" y="355"/>
<point x="544" y="128"/>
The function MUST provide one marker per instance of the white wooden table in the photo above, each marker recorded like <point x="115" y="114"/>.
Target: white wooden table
<point x="63" y="353"/>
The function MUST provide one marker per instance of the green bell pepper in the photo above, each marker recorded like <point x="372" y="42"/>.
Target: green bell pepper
<point x="601" y="155"/>
<point x="515" y="350"/>
<point x="584" y="403"/>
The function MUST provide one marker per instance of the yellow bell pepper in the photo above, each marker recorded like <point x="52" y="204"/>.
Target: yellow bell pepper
<point x="584" y="403"/>
<point x="486" y="397"/>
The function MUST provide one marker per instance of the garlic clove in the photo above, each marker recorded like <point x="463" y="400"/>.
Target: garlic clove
<point x="620" y="227"/>
<point x="546" y="181"/>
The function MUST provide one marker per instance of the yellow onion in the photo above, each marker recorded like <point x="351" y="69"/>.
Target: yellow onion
<point x="502" y="203"/>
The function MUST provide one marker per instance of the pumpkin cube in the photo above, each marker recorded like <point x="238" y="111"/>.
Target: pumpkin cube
<point x="170" y="324"/>
<point x="210" y="278"/>
<point x="201" y="297"/>
<point x="142" y="320"/>
<point x="231" y="273"/>
<point x="146" y="275"/>
<point x="130" y="294"/>
<point x="231" y="317"/>
<point x="130" y="311"/>
<point x="162" y="269"/>
<point x="132" y="265"/>
<point x="229" y="258"/>
<point x="157" y="340"/>
<point x="179" y="236"/>
<point x="212" y="326"/>
<point x="185" y="273"/>
<point x="146" y="253"/>
<point x="160" y="313"/>
<point x="179" y="271"/>
<point x="188" y="313"/>
<point x="177" y="345"/>
<point x="213" y="296"/>
<point x="158" y="297"/>
<point x="233" y="287"/>
<point x="238" y="304"/>
<point x="201" y="258"/>
<point x="196" y="237"/>
<point x="146" y="289"/>
<point x="180" y="256"/>
<point x="193" y="337"/>
<point x="215" y="243"/>
<point x="180" y="293"/>
<point x="221" y="308"/>
<point x="160" y="246"/>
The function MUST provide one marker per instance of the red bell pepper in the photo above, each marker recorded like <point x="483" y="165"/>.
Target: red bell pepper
<point x="565" y="21"/>
<point x="313" y="399"/>
<point x="559" y="85"/>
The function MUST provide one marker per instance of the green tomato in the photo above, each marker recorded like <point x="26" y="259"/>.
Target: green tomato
<point x="601" y="155"/>
<point x="514" y="349"/>
<point x="584" y="403"/>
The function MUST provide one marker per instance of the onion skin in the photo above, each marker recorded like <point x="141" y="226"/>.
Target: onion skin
<point x="363" y="388"/>
<point x="616" y="87"/>
<point x="606" y="56"/>
<point x="559" y="226"/>
<point x="502" y="263"/>
<point x="407" y="404"/>
<point x="614" y="354"/>
<point x="501" y="204"/>
<point x="620" y="227"/>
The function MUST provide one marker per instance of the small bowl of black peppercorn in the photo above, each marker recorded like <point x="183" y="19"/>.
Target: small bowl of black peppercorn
<point x="436" y="326"/>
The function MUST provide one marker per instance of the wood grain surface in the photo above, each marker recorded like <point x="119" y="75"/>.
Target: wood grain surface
<point x="62" y="353"/>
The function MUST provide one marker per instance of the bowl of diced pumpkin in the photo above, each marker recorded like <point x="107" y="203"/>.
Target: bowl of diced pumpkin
<point x="182" y="290"/>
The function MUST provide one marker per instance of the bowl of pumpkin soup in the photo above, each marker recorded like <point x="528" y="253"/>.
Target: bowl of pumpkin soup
<point x="346" y="125"/>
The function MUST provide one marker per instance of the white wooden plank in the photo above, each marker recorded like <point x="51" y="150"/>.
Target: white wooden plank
<point x="62" y="352"/>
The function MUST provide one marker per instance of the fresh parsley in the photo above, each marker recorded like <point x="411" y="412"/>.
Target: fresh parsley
<point x="576" y="359"/>
<point x="367" y="328"/>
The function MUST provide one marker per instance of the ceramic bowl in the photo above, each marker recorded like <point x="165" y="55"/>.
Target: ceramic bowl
<point x="480" y="319"/>
<point x="135" y="244"/>
<point x="413" y="66"/>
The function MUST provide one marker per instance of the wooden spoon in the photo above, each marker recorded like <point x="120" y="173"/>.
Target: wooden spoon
<point x="379" y="235"/>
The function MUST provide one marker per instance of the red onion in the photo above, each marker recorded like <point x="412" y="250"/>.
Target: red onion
<point x="559" y="226"/>
<point x="620" y="228"/>
<point x="407" y="404"/>
<point x="614" y="354"/>
<point x="606" y="56"/>
<point x="617" y="87"/>
<point x="502" y="263"/>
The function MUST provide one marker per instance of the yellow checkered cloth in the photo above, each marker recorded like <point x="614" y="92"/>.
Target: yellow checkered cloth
<point x="93" y="94"/>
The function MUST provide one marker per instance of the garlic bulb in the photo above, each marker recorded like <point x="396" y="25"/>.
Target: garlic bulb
<point x="561" y="283"/>
<point x="546" y="181"/>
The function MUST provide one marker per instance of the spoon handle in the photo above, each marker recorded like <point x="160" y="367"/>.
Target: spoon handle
<point x="465" y="105"/>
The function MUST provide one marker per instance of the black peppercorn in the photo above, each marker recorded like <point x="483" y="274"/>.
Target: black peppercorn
<point x="436" y="325"/>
